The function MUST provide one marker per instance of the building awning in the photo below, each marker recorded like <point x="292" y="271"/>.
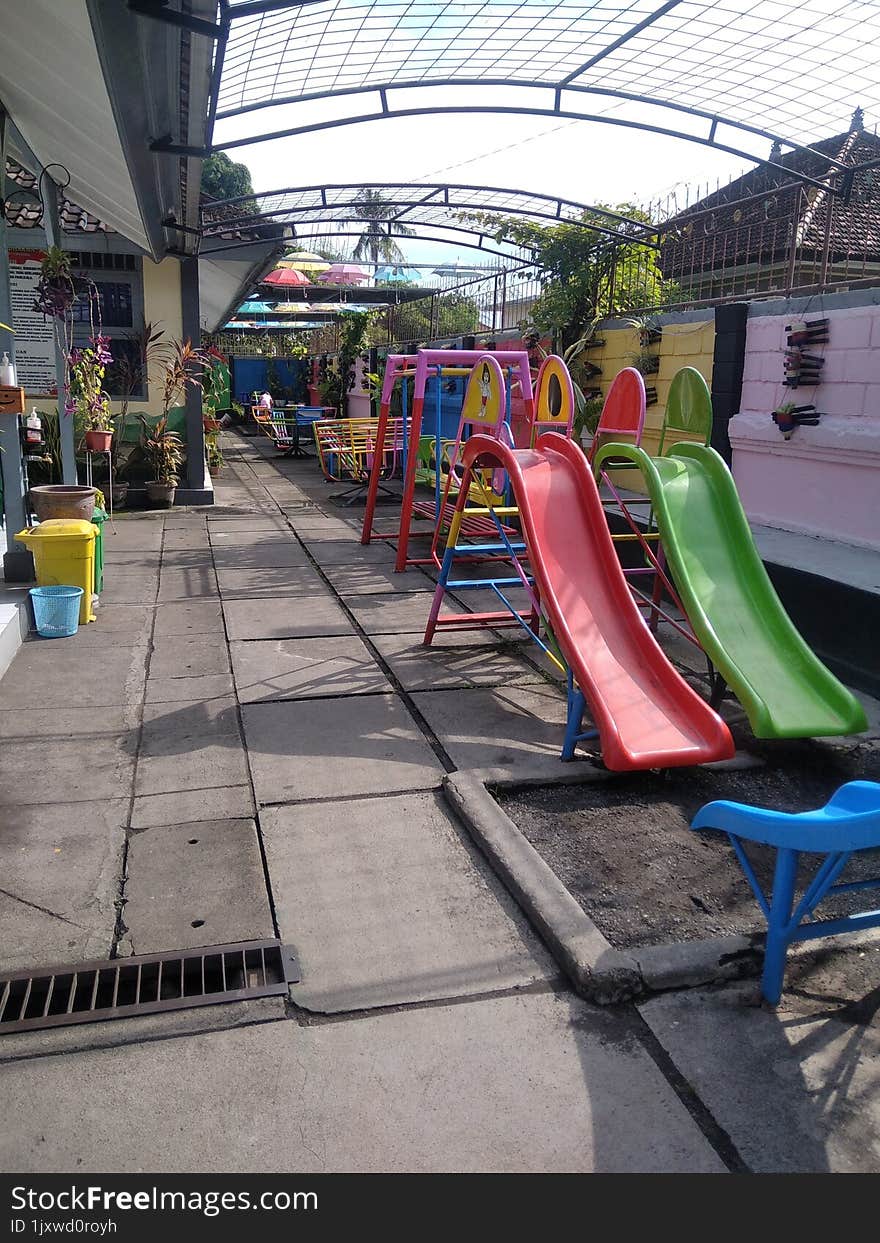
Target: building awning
<point x="87" y="85"/>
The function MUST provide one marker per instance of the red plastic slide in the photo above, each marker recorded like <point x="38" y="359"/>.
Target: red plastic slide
<point x="647" y="716"/>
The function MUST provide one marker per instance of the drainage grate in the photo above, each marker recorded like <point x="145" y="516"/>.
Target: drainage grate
<point x="119" y="988"/>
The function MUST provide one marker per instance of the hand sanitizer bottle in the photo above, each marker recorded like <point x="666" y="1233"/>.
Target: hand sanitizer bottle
<point x="7" y="372"/>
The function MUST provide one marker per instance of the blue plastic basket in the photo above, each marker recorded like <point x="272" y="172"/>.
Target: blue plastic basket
<point x="56" y="610"/>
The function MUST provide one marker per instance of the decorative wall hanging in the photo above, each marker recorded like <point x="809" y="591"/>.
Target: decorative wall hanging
<point x="803" y="369"/>
<point x="789" y="418"/>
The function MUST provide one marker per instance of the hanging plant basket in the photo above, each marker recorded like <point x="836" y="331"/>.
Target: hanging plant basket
<point x="99" y="441"/>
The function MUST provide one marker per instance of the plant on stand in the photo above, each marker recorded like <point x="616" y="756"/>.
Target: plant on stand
<point x="86" y="399"/>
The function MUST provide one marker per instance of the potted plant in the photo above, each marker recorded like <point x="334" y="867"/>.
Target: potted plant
<point x="215" y="455"/>
<point x="143" y="348"/>
<point x="182" y="365"/>
<point x="164" y="451"/>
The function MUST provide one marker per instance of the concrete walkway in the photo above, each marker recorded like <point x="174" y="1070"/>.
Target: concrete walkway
<point x="250" y="742"/>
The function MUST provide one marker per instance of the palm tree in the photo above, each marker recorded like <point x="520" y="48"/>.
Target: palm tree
<point x="377" y="240"/>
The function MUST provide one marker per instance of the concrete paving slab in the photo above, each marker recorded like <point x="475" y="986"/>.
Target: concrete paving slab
<point x="223" y="524"/>
<point x="204" y="617"/>
<point x="129" y="589"/>
<point x="186" y="540"/>
<point x="46" y="672"/>
<point x="358" y="580"/>
<point x="52" y="724"/>
<point x="60" y="872"/>
<point x="191" y="885"/>
<point x="330" y="748"/>
<point x="303" y="668"/>
<point x="183" y="522"/>
<point x="501" y="728"/>
<point x="136" y="537"/>
<point x="261" y="556"/>
<point x="800" y="1092"/>
<point x="183" y="690"/>
<point x="186" y="558"/>
<point x="162" y="1026"/>
<point x="400" y="613"/>
<point x="131" y="560"/>
<point x="224" y="803"/>
<point x="286" y="617"/>
<point x="317" y="526"/>
<point x="408" y="912"/>
<point x="182" y="656"/>
<point x="453" y="660"/>
<point x="117" y="625"/>
<point x="197" y="583"/>
<point x="70" y="770"/>
<point x="190" y="746"/>
<point x="513" y="1084"/>
<point x="349" y="552"/>
<point x="225" y="540"/>
<point x="251" y="584"/>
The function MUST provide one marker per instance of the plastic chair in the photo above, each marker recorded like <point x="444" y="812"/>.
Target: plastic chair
<point x="623" y="412"/>
<point x="848" y="824"/>
<point x="688" y="411"/>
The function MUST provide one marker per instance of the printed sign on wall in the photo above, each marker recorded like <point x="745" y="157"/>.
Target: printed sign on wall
<point x="34" y="333"/>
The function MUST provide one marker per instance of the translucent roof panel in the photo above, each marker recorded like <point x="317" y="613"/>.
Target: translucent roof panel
<point x="788" y="68"/>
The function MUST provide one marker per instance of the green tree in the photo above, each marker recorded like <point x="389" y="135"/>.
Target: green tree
<point x="376" y="242"/>
<point x="223" y="179"/>
<point x="416" y="322"/>
<point x="589" y="274"/>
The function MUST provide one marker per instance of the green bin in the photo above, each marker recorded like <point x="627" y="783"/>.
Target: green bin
<point x="99" y="517"/>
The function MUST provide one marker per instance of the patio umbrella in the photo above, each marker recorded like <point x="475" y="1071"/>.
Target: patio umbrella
<point x="304" y="261"/>
<point x="254" y="308"/>
<point x="280" y="277"/>
<point x="398" y="274"/>
<point x="343" y="274"/>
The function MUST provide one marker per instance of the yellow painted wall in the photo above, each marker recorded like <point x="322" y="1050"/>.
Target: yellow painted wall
<point x="682" y="345"/>
<point x="161" y="309"/>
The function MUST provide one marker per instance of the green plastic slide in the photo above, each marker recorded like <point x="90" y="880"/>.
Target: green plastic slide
<point x="731" y="604"/>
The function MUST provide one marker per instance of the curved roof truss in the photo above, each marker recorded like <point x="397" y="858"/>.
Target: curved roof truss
<point x="444" y="207"/>
<point x="729" y="74"/>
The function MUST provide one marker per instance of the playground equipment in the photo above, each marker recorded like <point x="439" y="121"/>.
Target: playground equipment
<point x="697" y="526"/>
<point x="720" y="584"/>
<point x="623" y="411"/>
<point x="646" y="715"/>
<point x="347" y="451"/>
<point x="553" y="411"/>
<point x="401" y="368"/>
<point x="848" y="824"/>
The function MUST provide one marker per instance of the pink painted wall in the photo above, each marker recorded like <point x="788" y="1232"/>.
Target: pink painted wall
<point x="358" y="404"/>
<point x="825" y="480"/>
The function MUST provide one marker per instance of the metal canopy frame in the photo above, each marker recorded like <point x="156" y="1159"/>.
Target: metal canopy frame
<point x="445" y="207"/>
<point x="720" y="73"/>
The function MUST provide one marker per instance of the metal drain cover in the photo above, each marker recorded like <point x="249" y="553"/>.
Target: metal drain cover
<point x="118" y="988"/>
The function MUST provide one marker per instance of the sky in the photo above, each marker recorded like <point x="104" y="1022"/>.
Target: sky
<point x="579" y="160"/>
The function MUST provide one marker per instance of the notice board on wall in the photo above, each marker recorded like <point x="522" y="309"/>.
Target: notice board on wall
<point x="34" y="332"/>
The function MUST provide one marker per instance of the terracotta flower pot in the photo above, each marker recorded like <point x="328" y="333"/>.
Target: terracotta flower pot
<point x="211" y="425"/>
<point x="63" y="500"/>
<point x="161" y="494"/>
<point x="99" y="441"/>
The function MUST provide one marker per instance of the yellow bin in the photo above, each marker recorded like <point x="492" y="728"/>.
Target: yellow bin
<point x="64" y="555"/>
